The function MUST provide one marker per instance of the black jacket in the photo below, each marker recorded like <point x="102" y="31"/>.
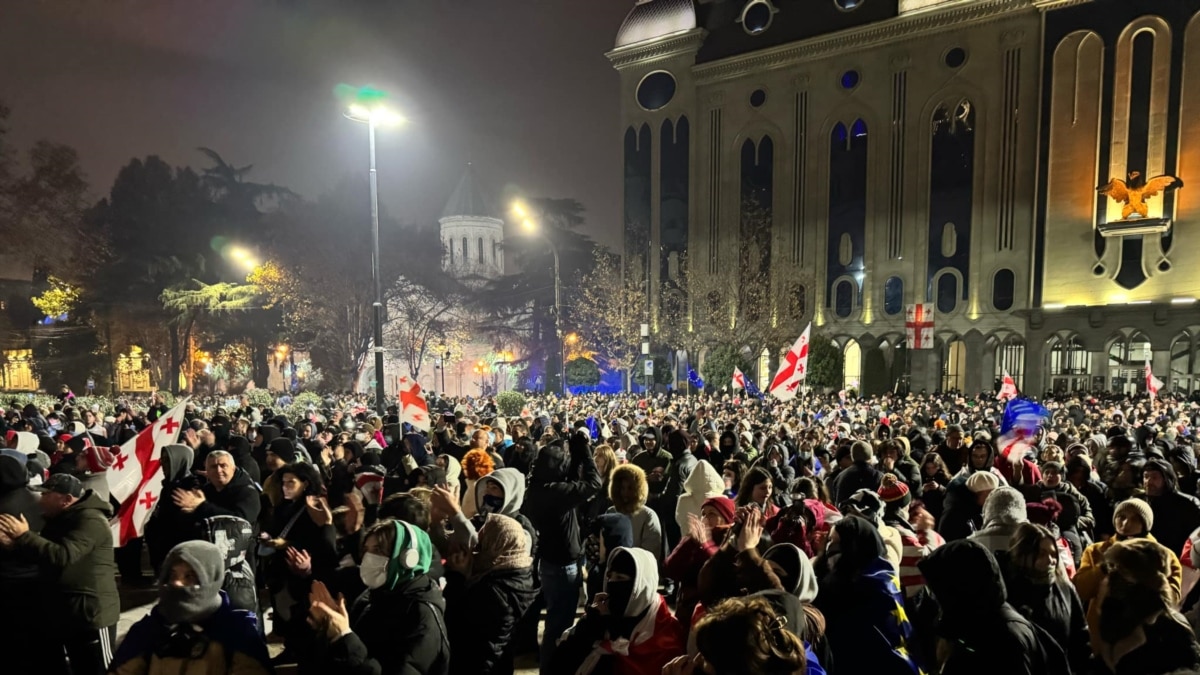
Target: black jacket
<point x="240" y="498"/>
<point x="75" y="550"/>
<point x="396" y="632"/>
<point x="1054" y="607"/>
<point x="17" y="500"/>
<point x="560" y="482"/>
<point x="856" y="477"/>
<point x="1170" y="649"/>
<point x="481" y="618"/>
<point x="1175" y="514"/>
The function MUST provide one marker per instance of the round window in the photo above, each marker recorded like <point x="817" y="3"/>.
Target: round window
<point x="656" y="90"/>
<point x="956" y="57"/>
<point x="757" y="16"/>
<point x="850" y="79"/>
<point x="758" y="98"/>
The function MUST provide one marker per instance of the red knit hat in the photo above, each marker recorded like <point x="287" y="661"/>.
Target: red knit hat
<point x="1043" y="512"/>
<point x="723" y="505"/>
<point x="892" y="490"/>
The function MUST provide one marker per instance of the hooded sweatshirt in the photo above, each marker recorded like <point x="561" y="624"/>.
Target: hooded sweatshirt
<point x="704" y="482"/>
<point x="654" y="636"/>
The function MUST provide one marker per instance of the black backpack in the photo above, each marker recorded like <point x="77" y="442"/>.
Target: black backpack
<point x="235" y="537"/>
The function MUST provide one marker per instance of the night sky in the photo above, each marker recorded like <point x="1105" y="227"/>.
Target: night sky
<point x="521" y="88"/>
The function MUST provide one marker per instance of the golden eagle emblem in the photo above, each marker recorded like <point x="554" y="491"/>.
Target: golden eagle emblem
<point x="1135" y="193"/>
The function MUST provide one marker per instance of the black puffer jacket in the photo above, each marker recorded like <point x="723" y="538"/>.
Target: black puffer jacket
<point x="17" y="500"/>
<point x="1175" y="514"/>
<point x="396" y="632"/>
<point x="1053" y="607"/>
<point x="240" y="498"/>
<point x="560" y="482"/>
<point x="481" y="618"/>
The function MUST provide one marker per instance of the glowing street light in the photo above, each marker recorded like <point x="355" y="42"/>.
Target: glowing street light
<point x="367" y="106"/>
<point x="243" y="257"/>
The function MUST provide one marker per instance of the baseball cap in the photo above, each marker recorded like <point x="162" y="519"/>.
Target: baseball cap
<point x="63" y="484"/>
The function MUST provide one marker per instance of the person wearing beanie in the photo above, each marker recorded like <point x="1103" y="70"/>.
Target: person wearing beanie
<point x="962" y="513"/>
<point x="867" y="504"/>
<point x="704" y="535"/>
<point x="193" y="626"/>
<point x="860" y="475"/>
<point x="1176" y="513"/>
<point x="1132" y="519"/>
<point x="1137" y="628"/>
<point x="1003" y="513"/>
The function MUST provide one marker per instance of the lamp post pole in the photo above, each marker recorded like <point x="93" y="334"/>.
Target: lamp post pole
<point x="376" y="273"/>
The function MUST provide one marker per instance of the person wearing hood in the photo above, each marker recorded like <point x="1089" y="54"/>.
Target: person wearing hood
<point x="683" y="463"/>
<point x="977" y="630"/>
<point x="280" y="453"/>
<point x="628" y="491"/>
<point x="75" y="549"/>
<point x="487" y="593"/>
<point x="1054" y="484"/>
<point x="612" y="531"/>
<point x="21" y="589"/>
<point x="500" y="492"/>
<point x="193" y="627"/>
<point x="169" y="524"/>
<point x="705" y="534"/>
<point x="264" y="436"/>
<point x="398" y="624"/>
<point x="628" y="629"/>
<point x="869" y="505"/>
<point x="701" y="485"/>
<point x="300" y="545"/>
<point x="453" y="472"/>
<point x="1176" y="514"/>
<point x="1038" y="588"/>
<point x="239" y="447"/>
<point x="1138" y="629"/>
<point x="1003" y="513"/>
<point x="562" y="480"/>
<point x="858" y="476"/>
<point x="862" y="603"/>
<point x="795" y="573"/>
<point x="894" y="459"/>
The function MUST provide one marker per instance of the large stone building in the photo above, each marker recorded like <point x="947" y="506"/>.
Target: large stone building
<point x="929" y="151"/>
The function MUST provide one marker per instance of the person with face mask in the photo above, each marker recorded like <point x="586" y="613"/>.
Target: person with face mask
<point x="193" y="627"/>
<point x="1137" y="629"/>
<point x="500" y="492"/>
<point x="487" y="593"/>
<point x="628" y="628"/>
<point x="397" y="625"/>
<point x="1038" y="588"/>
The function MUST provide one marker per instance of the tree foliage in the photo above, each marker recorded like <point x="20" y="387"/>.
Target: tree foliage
<point x="824" y="364"/>
<point x="582" y="372"/>
<point x="718" y="366"/>
<point x="60" y="298"/>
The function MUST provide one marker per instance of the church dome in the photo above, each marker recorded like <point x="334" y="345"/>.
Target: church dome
<point x="650" y="19"/>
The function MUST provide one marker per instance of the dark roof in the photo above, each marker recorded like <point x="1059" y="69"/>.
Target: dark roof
<point x="468" y="199"/>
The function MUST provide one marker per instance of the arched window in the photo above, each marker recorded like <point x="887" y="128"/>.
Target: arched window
<point x="1010" y="358"/>
<point x="1003" y="290"/>
<point x="1126" y="363"/>
<point x="954" y="365"/>
<point x="466" y="252"/>
<point x="450" y="247"/>
<point x="481" y="258"/>
<point x="852" y="365"/>
<point x="843" y="301"/>
<point x="1070" y="365"/>
<point x="947" y="293"/>
<point x="1182" y="363"/>
<point x="893" y="296"/>
<point x="495" y="253"/>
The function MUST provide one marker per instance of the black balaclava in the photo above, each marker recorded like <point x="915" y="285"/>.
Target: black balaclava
<point x="620" y="594"/>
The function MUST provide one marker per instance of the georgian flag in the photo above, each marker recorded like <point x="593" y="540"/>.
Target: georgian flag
<point x="1008" y="388"/>
<point x="739" y="379"/>
<point x="1153" y="384"/>
<point x="413" y="408"/>
<point x="793" y="369"/>
<point x="134" y="478"/>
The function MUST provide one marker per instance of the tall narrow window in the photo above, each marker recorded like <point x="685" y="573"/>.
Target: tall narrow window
<point x="481" y="258"/>
<point x="466" y="251"/>
<point x="951" y="192"/>
<point x="847" y="204"/>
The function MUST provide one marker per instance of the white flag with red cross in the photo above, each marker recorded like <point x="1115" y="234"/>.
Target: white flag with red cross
<point x="413" y="408"/>
<point x="919" y="325"/>
<point x="134" y="478"/>
<point x="739" y="379"/>
<point x="793" y="370"/>
<point x="1008" y="388"/>
<point x="1153" y="384"/>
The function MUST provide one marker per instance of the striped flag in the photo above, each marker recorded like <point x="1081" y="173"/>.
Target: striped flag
<point x="134" y="478"/>
<point x="1153" y="384"/>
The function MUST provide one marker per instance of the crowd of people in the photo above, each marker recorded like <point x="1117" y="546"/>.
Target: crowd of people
<point x="711" y="534"/>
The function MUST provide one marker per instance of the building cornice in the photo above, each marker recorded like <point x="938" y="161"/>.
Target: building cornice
<point x="1046" y="5"/>
<point x="901" y="28"/>
<point x="683" y="42"/>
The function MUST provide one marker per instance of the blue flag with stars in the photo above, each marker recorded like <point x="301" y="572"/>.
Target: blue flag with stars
<point x="752" y="389"/>
<point x="694" y="378"/>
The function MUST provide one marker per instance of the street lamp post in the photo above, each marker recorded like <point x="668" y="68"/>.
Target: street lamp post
<point x="531" y="226"/>
<point x="373" y="117"/>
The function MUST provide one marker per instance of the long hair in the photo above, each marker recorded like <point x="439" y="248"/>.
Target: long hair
<point x="753" y="477"/>
<point x="745" y="635"/>
<point x="605" y="452"/>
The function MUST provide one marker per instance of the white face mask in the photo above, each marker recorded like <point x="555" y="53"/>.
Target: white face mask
<point x="373" y="570"/>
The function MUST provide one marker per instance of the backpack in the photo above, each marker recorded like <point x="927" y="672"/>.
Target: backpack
<point x="235" y="537"/>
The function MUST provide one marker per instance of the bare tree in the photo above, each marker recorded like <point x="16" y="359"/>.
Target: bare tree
<point x="608" y="311"/>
